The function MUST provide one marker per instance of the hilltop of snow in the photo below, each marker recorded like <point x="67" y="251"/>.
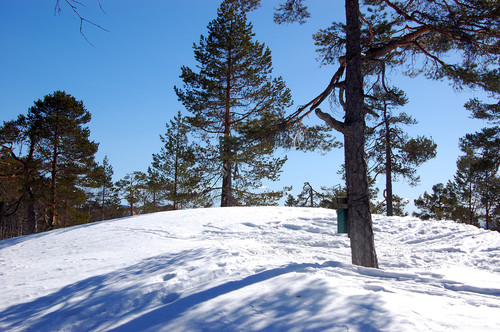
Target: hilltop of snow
<point x="249" y="269"/>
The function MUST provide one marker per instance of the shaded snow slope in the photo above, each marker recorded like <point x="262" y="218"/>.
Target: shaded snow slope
<point x="249" y="269"/>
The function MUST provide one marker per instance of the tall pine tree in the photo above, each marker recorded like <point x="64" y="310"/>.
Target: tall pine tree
<point x="65" y="151"/>
<point x="482" y="157"/>
<point x="177" y="165"/>
<point x="130" y="187"/>
<point x="233" y="101"/>
<point x="20" y="180"/>
<point x="107" y="196"/>
<point x="390" y="149"/>
<point x="393" y="32"/>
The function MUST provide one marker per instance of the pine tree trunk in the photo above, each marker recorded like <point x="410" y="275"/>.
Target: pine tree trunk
<point x="102" y="205"/>
<point x="53" y="194"/>
<point x="176" y="172"/>
<point x="487" y="214"/>
<point x="361" y="229"/>
<point x="226" y="199"/>
<point x="31" y="213"/>
<point x="131" y="193"/>
<point x="30" y="207"/>
<point x="388" y="166"/>
<point x="227" y="171"/>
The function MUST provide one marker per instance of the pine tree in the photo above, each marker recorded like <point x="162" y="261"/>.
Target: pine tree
<point x="477" y="180"/>
<point x="391" y="151"/>
<point x="482" y="157"/>
<point x="130" y="188"/>
<point x="153" y="193"/>
<point x="440" y="204"/>
<point x="107" y="193"/>
<point x="398" y="206"/>
<point x="177" y="165"/>
<point x="392" y="33"/>
<point x="19" y="174"/>
<point x="233" y="101"/>
<point x="291" y="201"/>
<point x="309" y="197"/>
<point x="49" y="160"/>
<point x="65" y="151"/>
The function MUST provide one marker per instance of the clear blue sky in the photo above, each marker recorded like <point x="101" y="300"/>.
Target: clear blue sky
<point x="126" y="79"/>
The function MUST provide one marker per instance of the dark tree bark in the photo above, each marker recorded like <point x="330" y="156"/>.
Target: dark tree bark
<point x="31" y="212"/>
<point x="53" y="183"/>
<point x="227" y="165"/>
<point x="358" y="211"/>
<point x="103" y="205"/>
<point x="388" y="166"/>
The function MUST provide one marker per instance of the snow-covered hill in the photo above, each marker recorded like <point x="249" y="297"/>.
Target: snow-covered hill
<point x="249" y="269"/>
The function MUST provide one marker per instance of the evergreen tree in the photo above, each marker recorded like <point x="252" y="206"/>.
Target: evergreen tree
<point x="481" y="161"/>
<point x="234" y="101"/>
<point x="154" y="192"/>
<point x="102" y="196"/>
<point x="398" y="206"/>
<point x="291" y="201"/>
<point x="391" y="151"/>
<point x="440" y="204"/>
<point x="309" y="197"/>
<point x="65" y="151"/>
<point x="392" y="33"/>
<point x="19" y="178"/>
<point x="477" y="179"/>
<point x="107" y="194"/>
<point x="47" y="164"/>
<point x="130" y="188"/>
<point x="177" y="165"/>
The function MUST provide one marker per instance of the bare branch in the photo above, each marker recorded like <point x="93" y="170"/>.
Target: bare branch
<point x="74" y="7"/>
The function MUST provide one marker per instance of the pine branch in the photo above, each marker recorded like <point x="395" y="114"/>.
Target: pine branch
<point x="335" y="124"/>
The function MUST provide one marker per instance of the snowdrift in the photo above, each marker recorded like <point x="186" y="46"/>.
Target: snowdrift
<point x="249" y="269"/>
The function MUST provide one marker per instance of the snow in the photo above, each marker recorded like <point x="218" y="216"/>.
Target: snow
<point x="249" y="269"/>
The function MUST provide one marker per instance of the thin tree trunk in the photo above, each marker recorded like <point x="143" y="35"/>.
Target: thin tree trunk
<point x="388" y="166"/>
<point x="471" y="212"/>
<point x="227" y="166"/>
<point x="30" y="207"/>
<point x="176" y="171"/>
<point x="487" y="216"/>
<point x="102" y="206"/>
<point x="131" y="193"/>
<point x="227" y="180"/>
<point x="31" y="212"/>
<point x="358" y="212"/>
<point x="53" y="198"/>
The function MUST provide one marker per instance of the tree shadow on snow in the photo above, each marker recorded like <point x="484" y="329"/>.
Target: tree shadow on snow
<point x="100" y="302"/>
<point x="302" y="308"/>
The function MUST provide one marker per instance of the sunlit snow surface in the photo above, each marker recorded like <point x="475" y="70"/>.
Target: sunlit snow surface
<point x="249" y="269"/>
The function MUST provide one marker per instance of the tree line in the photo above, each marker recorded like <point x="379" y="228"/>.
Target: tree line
<point x="236" y="113"/>
<point x="219" y="153"/>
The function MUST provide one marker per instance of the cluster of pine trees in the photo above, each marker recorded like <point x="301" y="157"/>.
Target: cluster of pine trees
<point x="224" y="147"/>
<point x="47" y="160"/>
<point x="220" y="152"/>
<point x="473" y="196"/>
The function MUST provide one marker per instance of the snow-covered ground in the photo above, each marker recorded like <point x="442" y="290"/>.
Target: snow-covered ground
<point x="249" y="269"/>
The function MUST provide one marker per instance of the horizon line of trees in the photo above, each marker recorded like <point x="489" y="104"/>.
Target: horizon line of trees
<point x="237" y="117"/>
<point x="49" y="177"/>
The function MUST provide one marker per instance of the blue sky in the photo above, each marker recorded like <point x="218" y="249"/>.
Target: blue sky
<point x="126" y="78"/>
